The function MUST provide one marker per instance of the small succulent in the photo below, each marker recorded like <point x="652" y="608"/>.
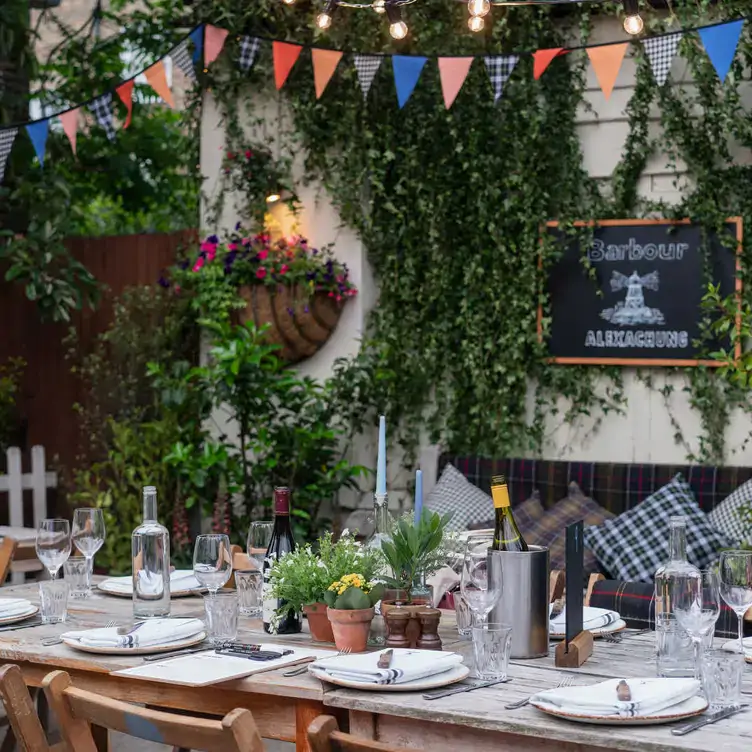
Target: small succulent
<point x="353" y="592"/>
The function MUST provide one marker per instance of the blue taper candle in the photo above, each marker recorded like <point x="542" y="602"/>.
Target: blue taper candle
<point x="418" y="495"/>
<point x="381" y="460"/>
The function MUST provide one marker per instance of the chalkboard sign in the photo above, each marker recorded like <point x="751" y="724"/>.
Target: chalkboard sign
<point x="651" y="275"/>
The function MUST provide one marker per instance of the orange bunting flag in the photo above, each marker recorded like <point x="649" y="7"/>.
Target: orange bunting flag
<point x="453" y="72"/>
<point x="285" y="55"/>
<point x="606" y="62"/>
<point x="542" y="59"/>
<point x="324" y="64"/>
<point x="214" y="41"/>
<point x="70" y="126"/>
<point x="125" y="92"/>
<point x="157" y="78"/>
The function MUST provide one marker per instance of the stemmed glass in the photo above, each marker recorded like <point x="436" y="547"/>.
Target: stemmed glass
<point x="479" y="592"/>
<point x="212" y="561"/>
<point x="736" y="585"/>
<point x="697" y="605"/>
<point x="259" y="535"/>
<point x="88" y="534"/>
<point x="53" y="544"/>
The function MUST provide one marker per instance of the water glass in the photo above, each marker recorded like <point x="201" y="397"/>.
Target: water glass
<point x="221" y="611"/>
<point x="259" y="535"/>
<point x="53" y="544"/>
<point x="53" y="601"/>
<point x="464" y="615"/>
<point x="77" y="574"/>
<point x="248" y="584"/>
<point x="212" y="561"/>
<point x="491" y="646"/>
<point x="88" y="532"/>
<point x="722" y="677"/>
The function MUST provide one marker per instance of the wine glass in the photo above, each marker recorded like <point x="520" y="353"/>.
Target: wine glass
<point x="53" y="544"/>
<point x="212" y="561"/>
<point x="697" y="605"/>
<point x="88" y="534"/>
<point x="736" y="585"/>
<point x="479" y="592"/>
<point x="259" y="535"/>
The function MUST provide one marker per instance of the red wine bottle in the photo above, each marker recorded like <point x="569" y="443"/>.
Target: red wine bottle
<point x="281" y="543"/>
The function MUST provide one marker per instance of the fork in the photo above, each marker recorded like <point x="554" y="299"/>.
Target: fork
<point x="619" y="636"/>
<point x="49" y="641"/>
<point x="304" y="668"/>
<point x="566" y="681"/>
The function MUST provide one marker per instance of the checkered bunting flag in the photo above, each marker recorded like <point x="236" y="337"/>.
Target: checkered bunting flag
<point x="248" y="51"/>
<point x="499" y="68"/>
<point x="367" y="67"/>
<point x="183" y="59"/>
<point x="101" y="108"/>
<point x="7" y="137"/>
<point x="661" y="52"/>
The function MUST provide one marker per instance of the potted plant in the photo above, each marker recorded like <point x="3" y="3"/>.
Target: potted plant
<point x="351" y="602"/>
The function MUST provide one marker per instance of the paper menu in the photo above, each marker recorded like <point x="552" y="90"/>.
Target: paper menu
<point x="203" y="669"/>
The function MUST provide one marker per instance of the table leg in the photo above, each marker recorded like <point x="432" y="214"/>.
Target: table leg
<point x="305" y="712"/>
<point x="101" y="738"/>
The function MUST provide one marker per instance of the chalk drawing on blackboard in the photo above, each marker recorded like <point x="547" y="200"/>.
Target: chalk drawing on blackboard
<point x="633" y="310"/>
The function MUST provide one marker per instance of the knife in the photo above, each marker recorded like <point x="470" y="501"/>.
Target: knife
<point x="175" y="653"/>
<point x="35" y="623"/>
<point x="706" y="720"/>
<point x="463" y="688"/>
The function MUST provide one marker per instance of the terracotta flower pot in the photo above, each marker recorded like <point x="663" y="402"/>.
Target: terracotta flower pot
<point x="318" y="622"/>
<point x="351" y="627"/>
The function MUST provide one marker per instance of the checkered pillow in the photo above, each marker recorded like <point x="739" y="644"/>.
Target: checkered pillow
<point x="632" y="546"/>
<point x="454" y="493"/>
<point x="725" y="517"/>
<point x="526" y="515"/>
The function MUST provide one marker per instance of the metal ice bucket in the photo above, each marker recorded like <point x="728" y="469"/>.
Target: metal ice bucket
<point x="524" y="598"/>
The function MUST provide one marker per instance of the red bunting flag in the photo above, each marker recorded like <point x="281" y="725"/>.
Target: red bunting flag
<point x="125" y="92"/>
<point x="324" y="64"/>
<point x="542" y="59"/>
<point x="70" y="126"/>
<point x="607" y="61"/>
<point x="453" y="72"/>
<point x="285" y="55"/>
<point x="214" y="41"/>
<point x="157" y="78"/>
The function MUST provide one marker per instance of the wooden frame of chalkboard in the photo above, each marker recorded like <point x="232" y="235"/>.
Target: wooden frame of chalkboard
<point x="736" y="222"/>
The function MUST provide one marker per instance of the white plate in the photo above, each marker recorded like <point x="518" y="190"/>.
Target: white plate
<point x="173" y="594"/>
<point x="452" y="676"/>
<point x="687" y="709"/>
<point x="20" y="617"/>
<point x="732" y="646"/>
<point x="617" y="626"/>
<point x="145" y="650"/>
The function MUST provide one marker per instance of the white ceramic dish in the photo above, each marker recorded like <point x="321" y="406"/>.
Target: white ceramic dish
<point x="617" y="626"/>
<point x="146" y="650"/>
<point x="20" y="617"/>
<point x="173" y="594"/>
<point x="454" y="675"/>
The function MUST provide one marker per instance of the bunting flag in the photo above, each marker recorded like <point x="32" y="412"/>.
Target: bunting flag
<point x="125" y="92"/>
<point x="453" y="72"/>
<point x="248" y="49"/>
<point x="285" y="55"/>
<point x="70" y="126"/>
<point x="7" y="137"/>
<point x="38" y="133"/>
<point x="325" y="62"/>
<point x="407" y="70"/>
<point x="367" y="67"/>
<point x="197" y="37"/>
<point x="214" y="41"/>
<point x="661" y="52"/>
<point x="101" y="108"/>
<point x="720" y="43"/>
<point x="182" y="58"/>
<point x="606" y="62"/>
<point x="542" y="59"/>
<point x="500" y="68"/>
<point x="157" y="78"/>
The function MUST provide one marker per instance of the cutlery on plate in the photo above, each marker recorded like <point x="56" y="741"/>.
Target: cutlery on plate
<point x="566" y="681"/>
<point x="177" y="653"/>
<point x="304" y="668"/>
<point x="712" y="717"/>
<point x="49" y="641"/>
<point x="469" y="687"/>
<point x="122" y="631"/>
<point x="385" y="659"/>
<point x="13" y="627"/>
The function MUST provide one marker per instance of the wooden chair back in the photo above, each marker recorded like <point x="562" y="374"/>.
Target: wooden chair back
<point x="324" y="736"/>
<point x="7" y="550"/>
<point x="240" y="561"/>
<point x="76" y="709"/>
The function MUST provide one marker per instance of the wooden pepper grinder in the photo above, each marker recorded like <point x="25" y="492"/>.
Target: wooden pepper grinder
<point x="429" y="629"/>
<point x="396" y="625"/>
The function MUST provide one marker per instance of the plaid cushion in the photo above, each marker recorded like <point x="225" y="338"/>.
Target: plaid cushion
<point x="467" y="503"/>
<point x="726" y="518"/>
<point x="550" y="531"/>
<point x="632" y="546"/>
<point x="526" y="515"/>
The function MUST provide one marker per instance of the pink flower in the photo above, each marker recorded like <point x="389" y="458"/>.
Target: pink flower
<point x="232" y="246"/>
<point x="262" y="255"/>
<point x="177" y="289"/>
<point x="199" y="263"/>
<point x="230" y="155"/>
<point x="212" y="254"/>
<point x="284" y="269"/>
<point x="246" y="241"/>
<point x="331" y="294"/>
<point x="261" y="272"/>
<point x="338" y="298"/>
<point x="209" y="247"/>
<point x="248" y="154"/>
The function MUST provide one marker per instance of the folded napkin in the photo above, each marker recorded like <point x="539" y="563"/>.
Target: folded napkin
<point x="442" y="581"/>
<point x="180" y="579"/>
<point x="14" y="607"/>
<point x="143" y="634"/>
<point x="648" y="696"/>
<point x="407" y="665"/>
<point x="592" y="618"/>
<point x="732" y="646"/>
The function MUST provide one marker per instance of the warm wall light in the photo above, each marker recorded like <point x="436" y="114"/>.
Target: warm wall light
<point x="633" y="23"/>
<point x="272" y="198"/>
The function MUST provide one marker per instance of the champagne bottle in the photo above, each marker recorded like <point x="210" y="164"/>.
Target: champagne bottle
<point x="507" y="536"/>
<point x="280" y="544"/>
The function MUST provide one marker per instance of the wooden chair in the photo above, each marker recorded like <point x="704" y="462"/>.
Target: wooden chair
<point x="240" y="560"/>
<point x="76" y="709"/>
<point x="324" y="736"/>
<point x="7" y="551"/>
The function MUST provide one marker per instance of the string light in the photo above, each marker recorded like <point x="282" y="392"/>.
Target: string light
<point x="379" y="6"/>
<point x="324" y="19"/>
<point x="479" y="7"/>
<point x="272" y="198"/>
<point x="289" y="2"/>
<point x="397" y="27"/>
<point x="633" y="23"/>
<point x="476" y="23"/>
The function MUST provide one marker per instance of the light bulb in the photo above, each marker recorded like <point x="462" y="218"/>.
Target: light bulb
<point x="479" y="7"/>
<point x="272" y="198"/>
<point x="323" y="20"/>
<point x="633" y="24"/>
<point x="398" y="30"/>
<point x="289" y="2"/>
<point x="379" y="6"/>
<point x="475" y="23"/>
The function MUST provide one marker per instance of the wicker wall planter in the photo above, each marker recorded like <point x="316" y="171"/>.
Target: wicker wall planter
<point x="300" y="324"/>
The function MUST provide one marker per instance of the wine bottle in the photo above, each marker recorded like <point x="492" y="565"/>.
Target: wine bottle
<point x="507" y="536"/>
<point x="280" y="544"/>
